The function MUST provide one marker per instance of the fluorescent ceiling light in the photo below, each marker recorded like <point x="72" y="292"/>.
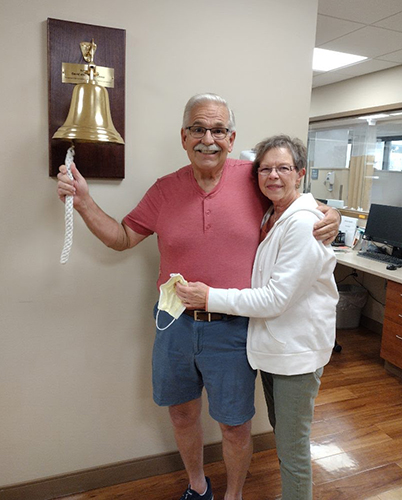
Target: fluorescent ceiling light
<point x="326" y="60"/>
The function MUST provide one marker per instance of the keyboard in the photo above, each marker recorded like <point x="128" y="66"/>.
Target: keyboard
<point x="381" y="257"/>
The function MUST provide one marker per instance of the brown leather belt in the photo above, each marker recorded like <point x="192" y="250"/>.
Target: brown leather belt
<point x="198" y="315"/>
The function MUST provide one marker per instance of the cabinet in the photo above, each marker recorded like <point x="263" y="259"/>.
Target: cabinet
<point x="391" y="344"/>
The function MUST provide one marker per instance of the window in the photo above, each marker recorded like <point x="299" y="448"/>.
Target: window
<point x="357" y="160"/>
<point x="389" y="154"/>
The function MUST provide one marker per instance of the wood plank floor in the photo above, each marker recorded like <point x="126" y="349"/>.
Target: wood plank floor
<point x="356" y="438"/>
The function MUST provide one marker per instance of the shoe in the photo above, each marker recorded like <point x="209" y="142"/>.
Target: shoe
<point x="190" y="494"/>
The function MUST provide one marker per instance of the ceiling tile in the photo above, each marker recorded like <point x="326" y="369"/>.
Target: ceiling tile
<point x="329" y="28"/>
<point x="369" y="42"/>
<point x="366" y="67"/>
<point x="328" y="78"/>
<point x="371" y="28"/>
<point x="393" y="57"/>
<point x="391" y="23"/>
<point x="361" y="11"/>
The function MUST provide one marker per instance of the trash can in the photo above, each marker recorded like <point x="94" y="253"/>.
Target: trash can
<point x="352" y="299"/>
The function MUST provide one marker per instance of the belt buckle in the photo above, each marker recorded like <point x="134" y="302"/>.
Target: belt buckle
<point x="196" y="312"/>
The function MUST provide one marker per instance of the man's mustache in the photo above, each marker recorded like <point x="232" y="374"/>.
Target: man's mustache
<point x="207" y="149"/>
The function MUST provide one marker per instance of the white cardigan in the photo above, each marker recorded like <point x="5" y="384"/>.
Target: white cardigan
<point x="292" y="304"/>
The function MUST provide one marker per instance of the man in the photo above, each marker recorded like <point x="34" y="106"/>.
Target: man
<point x="207" y="216"/>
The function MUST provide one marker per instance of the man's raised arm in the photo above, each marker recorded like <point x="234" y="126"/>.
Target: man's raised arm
<point x="108" y="230"/>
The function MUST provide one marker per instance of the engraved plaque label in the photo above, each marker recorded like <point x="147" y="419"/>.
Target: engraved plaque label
<point x="77" y="73"/>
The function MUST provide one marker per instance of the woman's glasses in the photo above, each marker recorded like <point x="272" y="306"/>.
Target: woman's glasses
<point x="280" y="170"/>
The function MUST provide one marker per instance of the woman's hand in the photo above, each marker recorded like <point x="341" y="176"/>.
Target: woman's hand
<point x="193" y="295"/>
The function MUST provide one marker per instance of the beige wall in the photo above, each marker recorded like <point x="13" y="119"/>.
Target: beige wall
<point x="76" y="340"/>
<point x="382" y="88"/>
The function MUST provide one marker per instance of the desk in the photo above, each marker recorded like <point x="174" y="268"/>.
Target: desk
<point x="391" y="343"/>
<point x="351" y="259"/>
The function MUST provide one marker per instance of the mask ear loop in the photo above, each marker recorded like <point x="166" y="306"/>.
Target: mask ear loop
<point x="165" y="327"/>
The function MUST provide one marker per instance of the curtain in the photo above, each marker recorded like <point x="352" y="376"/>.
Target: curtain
<point x="361" y="173"/>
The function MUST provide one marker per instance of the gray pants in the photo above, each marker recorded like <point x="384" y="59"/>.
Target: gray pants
<point x="290" y="401"/>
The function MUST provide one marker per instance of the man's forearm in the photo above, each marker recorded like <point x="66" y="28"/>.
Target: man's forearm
<point x="320" y="204"/>
<point x="104" y="227"/>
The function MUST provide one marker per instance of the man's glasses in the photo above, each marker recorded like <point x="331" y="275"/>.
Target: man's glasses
<point x="216" y="132"/>
<point x="280" y="170"/>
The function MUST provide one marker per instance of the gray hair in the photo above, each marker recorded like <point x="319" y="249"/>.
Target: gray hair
<point x="207" y="97"/>
<point x="295" y="147"/>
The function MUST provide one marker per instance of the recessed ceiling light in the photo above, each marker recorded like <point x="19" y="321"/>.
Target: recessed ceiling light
<point x="326" y="60"/>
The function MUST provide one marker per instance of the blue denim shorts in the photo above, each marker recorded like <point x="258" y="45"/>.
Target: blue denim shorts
<point x="190" y="355"/>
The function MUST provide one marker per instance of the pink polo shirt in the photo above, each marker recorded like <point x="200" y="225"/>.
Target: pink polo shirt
<point x="209" y="237"/>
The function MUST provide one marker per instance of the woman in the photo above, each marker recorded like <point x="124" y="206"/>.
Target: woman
<point x="291" y="307"/>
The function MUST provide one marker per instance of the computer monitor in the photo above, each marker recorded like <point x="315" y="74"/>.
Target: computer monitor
<point x="384" y="225"/>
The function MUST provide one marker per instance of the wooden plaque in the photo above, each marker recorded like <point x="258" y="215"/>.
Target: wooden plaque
<point x="97" y="159"/>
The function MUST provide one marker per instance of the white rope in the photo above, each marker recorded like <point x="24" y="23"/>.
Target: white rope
<point x="69" y="211"/>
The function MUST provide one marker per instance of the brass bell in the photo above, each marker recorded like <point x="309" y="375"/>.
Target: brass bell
<point x="89" y="117"/>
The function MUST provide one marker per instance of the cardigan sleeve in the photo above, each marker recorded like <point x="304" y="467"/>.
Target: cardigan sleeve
<point x="299" y="265"/>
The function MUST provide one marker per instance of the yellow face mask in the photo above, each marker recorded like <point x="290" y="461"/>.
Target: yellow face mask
<point x="168" y="300"/>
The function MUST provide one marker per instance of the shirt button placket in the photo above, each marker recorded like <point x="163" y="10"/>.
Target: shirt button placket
<point x="207" y="213"/>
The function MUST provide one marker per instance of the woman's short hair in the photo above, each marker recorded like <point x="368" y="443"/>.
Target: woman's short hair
<point x="207" y="97"/>
<point x="295" y="147"/>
